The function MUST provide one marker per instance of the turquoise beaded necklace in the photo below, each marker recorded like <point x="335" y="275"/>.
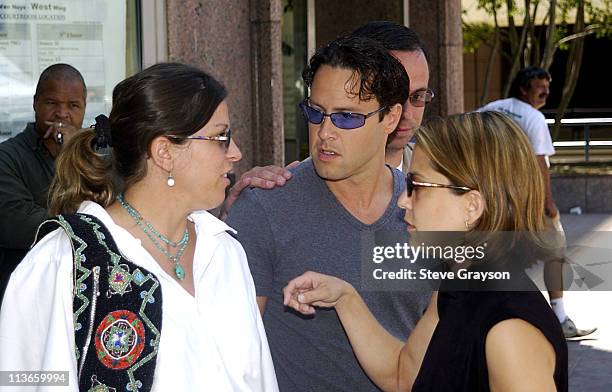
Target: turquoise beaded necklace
<point x="155" y="235"/>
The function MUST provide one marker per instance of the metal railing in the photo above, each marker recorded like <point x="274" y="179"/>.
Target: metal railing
<point x="586" y="124"/>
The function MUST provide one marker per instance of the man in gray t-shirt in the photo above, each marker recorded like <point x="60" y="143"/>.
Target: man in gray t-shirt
<point x="316" y="221"/>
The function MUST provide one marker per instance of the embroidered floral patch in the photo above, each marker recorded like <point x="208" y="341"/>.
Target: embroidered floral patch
<point x="120" y="339"/>
<point x="117" y="338"/>
<point x="119" y="279"/>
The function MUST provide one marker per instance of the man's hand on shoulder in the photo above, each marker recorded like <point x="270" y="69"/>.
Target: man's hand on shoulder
<point x="263" y="177"/>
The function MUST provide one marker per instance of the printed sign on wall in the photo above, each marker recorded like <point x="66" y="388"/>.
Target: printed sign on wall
<point x="89" y="35"/>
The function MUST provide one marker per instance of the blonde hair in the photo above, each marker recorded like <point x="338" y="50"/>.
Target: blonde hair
<point x="488" y="152"/>
<point x="80" y="174"/>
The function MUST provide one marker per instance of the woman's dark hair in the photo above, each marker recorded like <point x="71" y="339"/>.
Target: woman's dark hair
<point x="376" y="73"/>
<point x="164" y="99"/>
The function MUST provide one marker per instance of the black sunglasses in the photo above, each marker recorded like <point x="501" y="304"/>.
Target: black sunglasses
<point x="225" y="137"/>
<point x="411" y="185"/>
<point x="342" y="120"/>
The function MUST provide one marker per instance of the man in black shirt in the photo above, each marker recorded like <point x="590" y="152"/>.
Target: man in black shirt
<point x="27" y="161"/>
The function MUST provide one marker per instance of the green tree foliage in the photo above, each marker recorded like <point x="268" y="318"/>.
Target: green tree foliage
<point x="567" y="23"/>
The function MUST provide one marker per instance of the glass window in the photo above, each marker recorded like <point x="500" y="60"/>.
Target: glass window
<point x="97" y="37"/>
<point x="294" y="59"/>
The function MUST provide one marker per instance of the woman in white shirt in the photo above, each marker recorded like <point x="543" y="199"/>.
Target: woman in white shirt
<point x="167" y="302"/>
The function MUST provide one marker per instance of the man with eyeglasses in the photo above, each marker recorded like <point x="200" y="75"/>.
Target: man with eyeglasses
<point x="317" y="220"/>
<point x="528" y="93"/>
<point x="403" y="43"/>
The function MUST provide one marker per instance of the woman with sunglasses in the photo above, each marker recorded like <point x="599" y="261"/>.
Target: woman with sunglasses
<point x="470" y="173"/>
<point x="135" y="286"/>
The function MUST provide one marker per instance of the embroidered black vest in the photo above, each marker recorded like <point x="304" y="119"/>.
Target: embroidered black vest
<point x="117" y="309"/>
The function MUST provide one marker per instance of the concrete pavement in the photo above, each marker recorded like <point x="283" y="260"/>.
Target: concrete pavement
<point x="590" y="359"/>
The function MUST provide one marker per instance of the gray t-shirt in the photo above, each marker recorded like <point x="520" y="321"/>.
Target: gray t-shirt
<point x="300" y="227"/>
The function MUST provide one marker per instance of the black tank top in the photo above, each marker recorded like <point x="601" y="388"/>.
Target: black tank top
<point x="455" y="359"/>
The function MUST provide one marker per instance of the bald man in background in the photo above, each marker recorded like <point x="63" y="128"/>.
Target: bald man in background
<point x="27" y="161"/>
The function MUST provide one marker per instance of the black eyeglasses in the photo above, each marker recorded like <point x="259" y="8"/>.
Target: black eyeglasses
<point x="343" y="120"/>
<point x="421" y="98"/>
<point x="411" y="185"/>
<point x="225" y="137"/>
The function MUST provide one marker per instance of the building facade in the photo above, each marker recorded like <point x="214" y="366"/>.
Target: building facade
<point x="256" y="47"/>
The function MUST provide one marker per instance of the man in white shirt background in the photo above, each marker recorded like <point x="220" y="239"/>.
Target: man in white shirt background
<point x="528" y="93"/>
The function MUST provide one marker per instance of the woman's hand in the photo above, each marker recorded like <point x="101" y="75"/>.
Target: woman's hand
<point x="313" y="289"/>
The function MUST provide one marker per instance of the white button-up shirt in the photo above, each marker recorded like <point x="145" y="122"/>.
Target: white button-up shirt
<point x="214" y="341"/>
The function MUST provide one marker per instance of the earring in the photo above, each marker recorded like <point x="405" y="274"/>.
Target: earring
<point x="170" y="181"/>
<point x="467" y="224"/>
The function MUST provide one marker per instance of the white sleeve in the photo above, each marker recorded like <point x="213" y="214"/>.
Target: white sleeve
<point x="539" y="134"/>
<point x="36" y="324"/>
<point x="269" y="382"/>
<point x="242" y="341"/>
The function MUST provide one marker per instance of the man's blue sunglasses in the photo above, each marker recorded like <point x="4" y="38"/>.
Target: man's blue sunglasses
<point x="342" y="120"/>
